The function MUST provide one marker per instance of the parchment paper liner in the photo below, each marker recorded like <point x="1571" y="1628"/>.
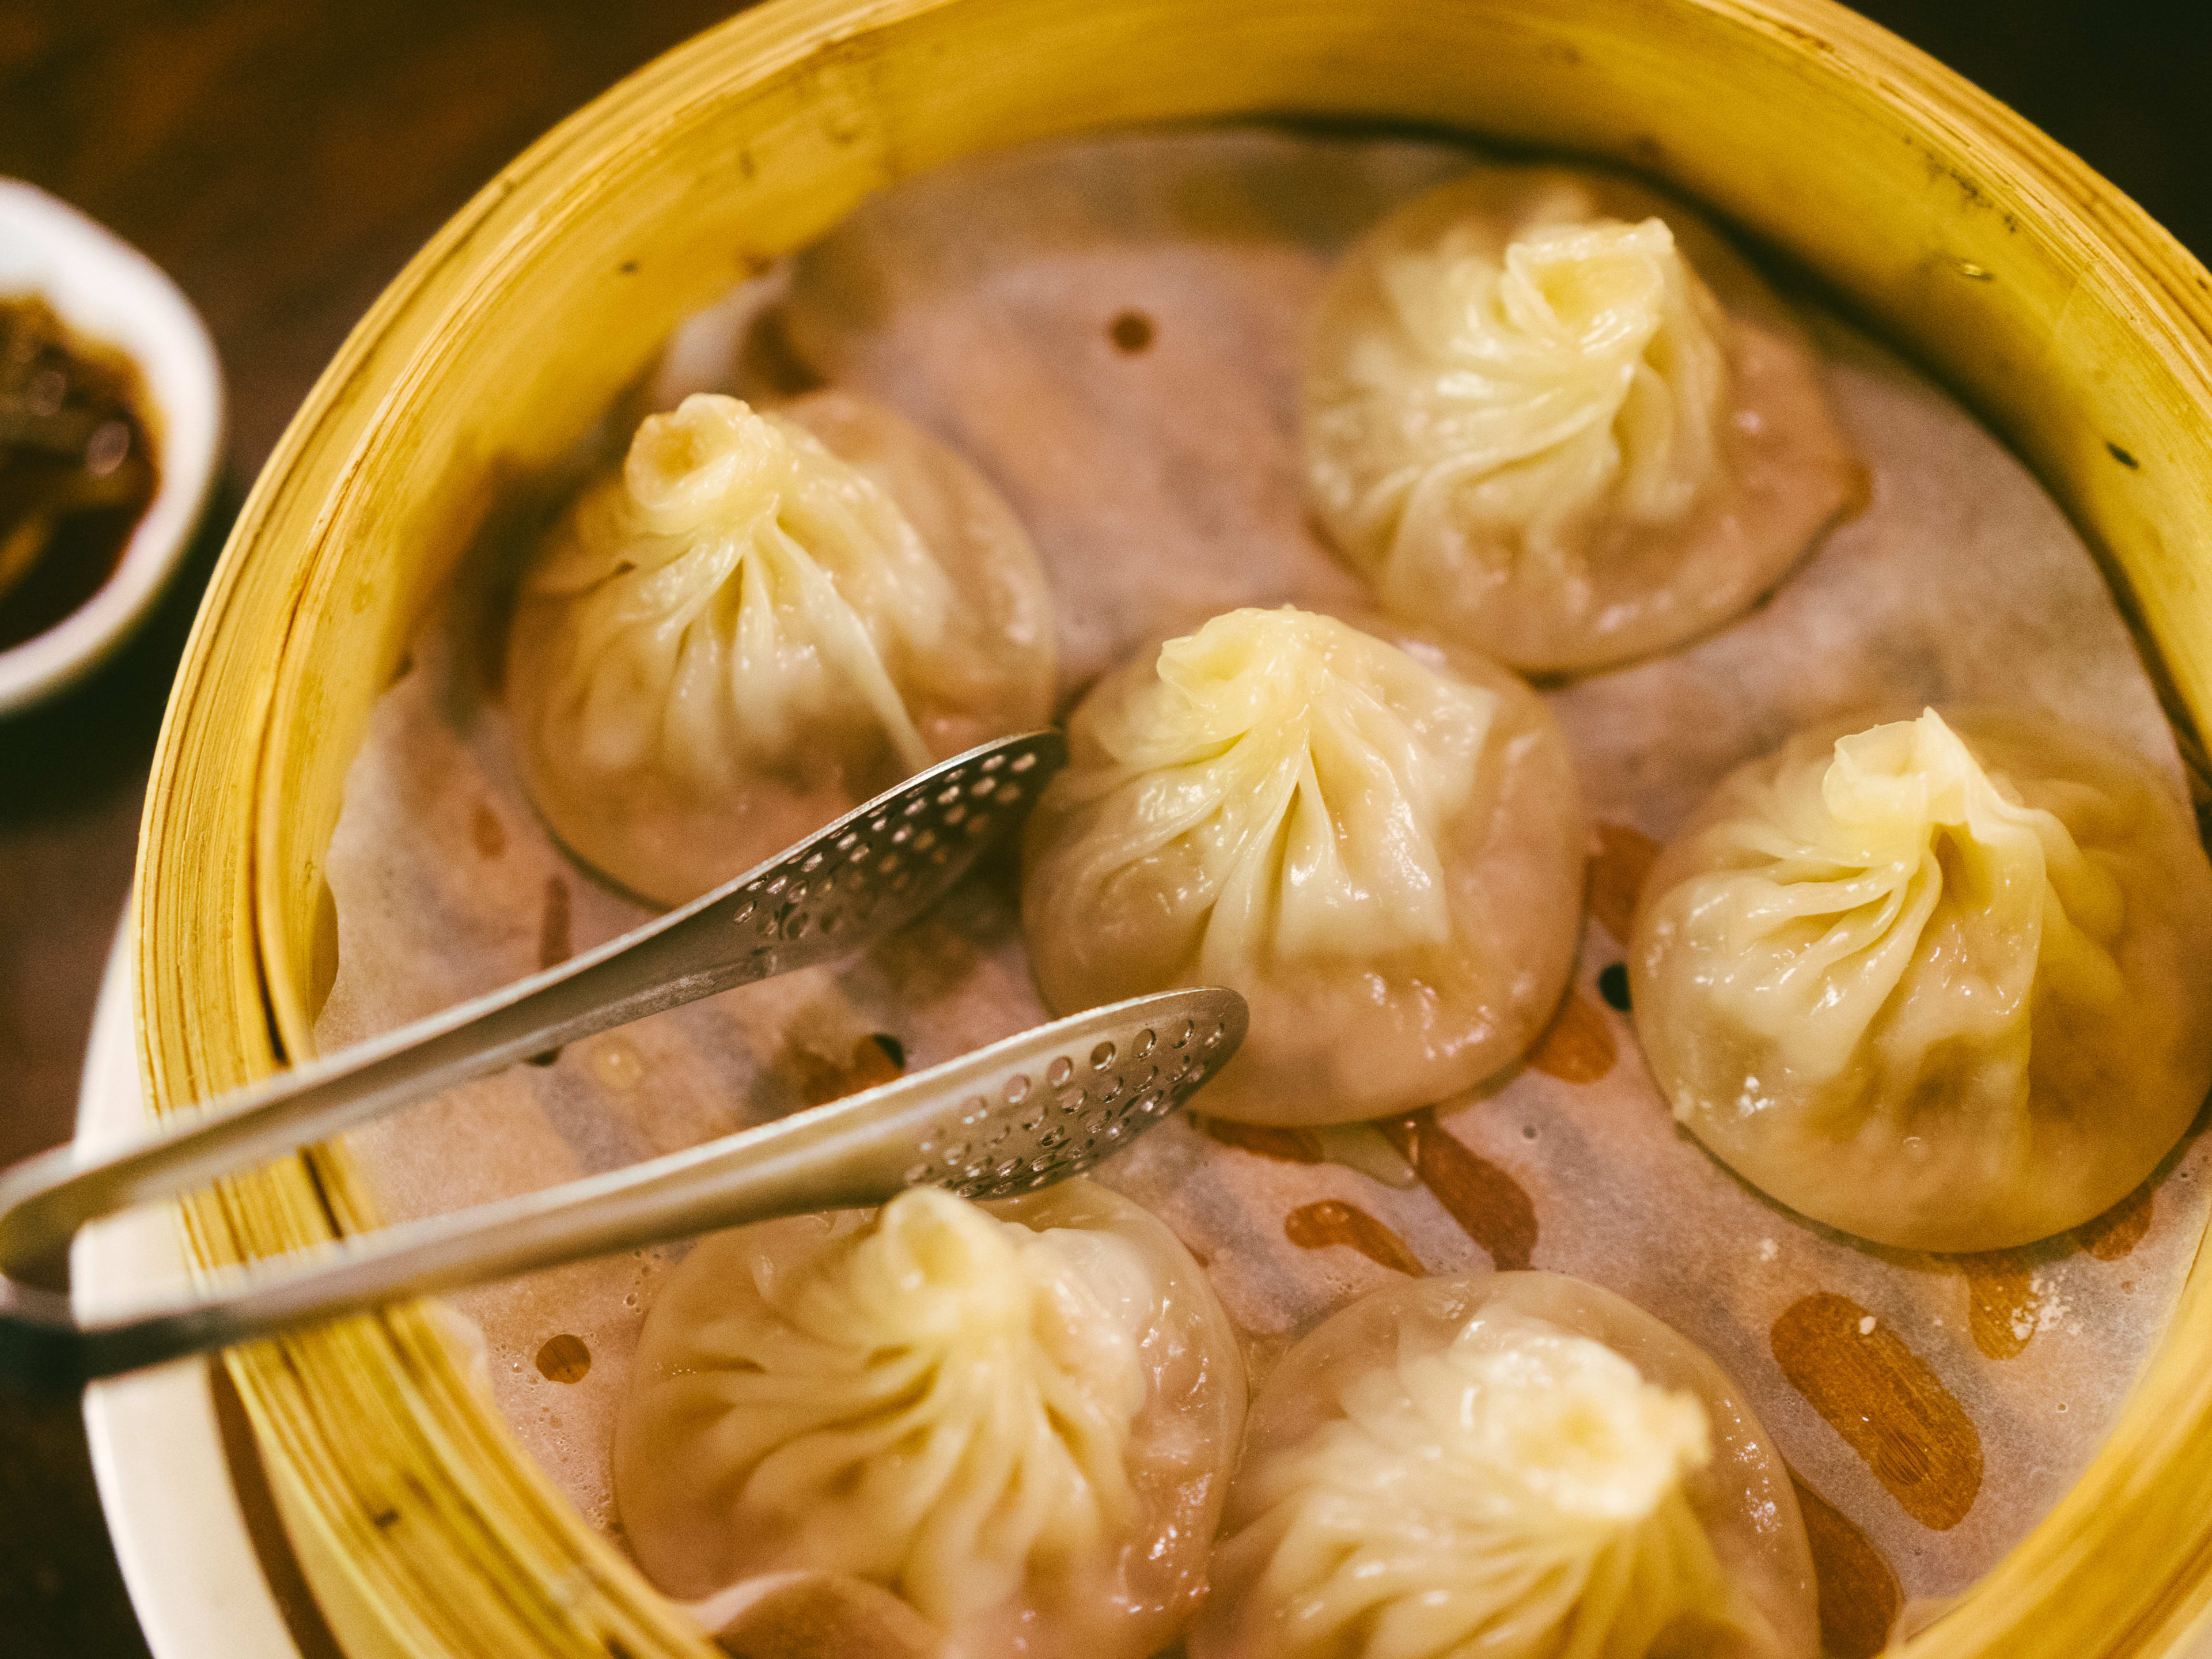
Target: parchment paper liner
<point x="1002" y="304"/>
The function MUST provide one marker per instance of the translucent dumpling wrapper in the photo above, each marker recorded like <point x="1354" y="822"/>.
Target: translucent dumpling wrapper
<point x="1379" y="844"/>
<point x="1944" y="983"/>
<point x="1020" y="1420"/>
<point x="1551" y="415"/>
<point x="1517" y="1466"/>
<point x="762" y="619"/>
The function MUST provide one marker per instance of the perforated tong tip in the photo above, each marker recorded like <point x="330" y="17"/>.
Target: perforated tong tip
<point x="1018" y="1116"/>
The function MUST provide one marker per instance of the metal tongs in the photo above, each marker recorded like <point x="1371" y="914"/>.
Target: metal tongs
<point x="1011" y="1118"/>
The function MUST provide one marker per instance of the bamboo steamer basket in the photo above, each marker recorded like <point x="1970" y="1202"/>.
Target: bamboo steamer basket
<point x="2070" y="322"/>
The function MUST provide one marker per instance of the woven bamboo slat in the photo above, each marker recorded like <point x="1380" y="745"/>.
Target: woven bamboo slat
<point x="2077" y="328"/>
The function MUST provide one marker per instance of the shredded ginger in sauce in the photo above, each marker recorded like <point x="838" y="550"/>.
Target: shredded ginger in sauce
<point x="76" y="466"/>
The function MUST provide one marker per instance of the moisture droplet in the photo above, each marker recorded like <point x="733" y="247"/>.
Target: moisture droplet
<point x="616" y="1063"/>
<point x="564" y="1358"/>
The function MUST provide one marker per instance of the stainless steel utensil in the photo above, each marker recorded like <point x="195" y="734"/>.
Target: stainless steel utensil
<point x="1020" y="1115"/>
<point x="873" y="869"/>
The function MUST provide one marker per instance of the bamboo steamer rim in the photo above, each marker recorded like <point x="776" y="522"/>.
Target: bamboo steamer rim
<point x="2075" y="325"/>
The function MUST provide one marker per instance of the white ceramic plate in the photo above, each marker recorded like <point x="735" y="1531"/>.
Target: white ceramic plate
<point x="165" y="1482"/>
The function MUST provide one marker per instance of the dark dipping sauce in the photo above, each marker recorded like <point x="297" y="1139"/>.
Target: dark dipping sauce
<point x="76" y="466"/>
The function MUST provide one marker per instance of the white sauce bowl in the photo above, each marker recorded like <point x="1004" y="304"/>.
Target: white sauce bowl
<point x="109" y="292"/>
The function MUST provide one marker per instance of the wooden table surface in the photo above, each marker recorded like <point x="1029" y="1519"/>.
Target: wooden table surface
<point x="282" y="159"/>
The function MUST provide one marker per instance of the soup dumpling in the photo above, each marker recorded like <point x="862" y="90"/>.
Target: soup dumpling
<point x="1380" y="844"/>
<point x="1944" y="983"/>
<point x="1518" y="1465"/>
<point x="1549" y="413"/>
<point x="1020" y="1418"/>
<point x="762" y="620"/>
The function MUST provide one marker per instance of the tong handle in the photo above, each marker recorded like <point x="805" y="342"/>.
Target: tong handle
<point x="873" y="869"/>
<point x="740" y="1178"/>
